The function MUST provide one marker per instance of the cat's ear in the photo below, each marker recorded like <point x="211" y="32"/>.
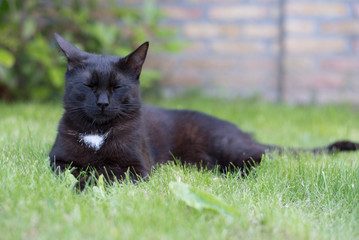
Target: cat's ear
<point x="74" y="55"/>
<point x="136" y="59"/>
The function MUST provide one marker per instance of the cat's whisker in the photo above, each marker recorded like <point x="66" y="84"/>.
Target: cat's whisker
<point x="123" y="114"/>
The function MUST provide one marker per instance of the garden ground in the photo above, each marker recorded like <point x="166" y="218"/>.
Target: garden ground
<point x="287" y="197"/>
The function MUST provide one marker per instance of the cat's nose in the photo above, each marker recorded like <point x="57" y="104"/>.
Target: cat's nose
<point x="102" y="105"/>
<point x="103" y="101"/>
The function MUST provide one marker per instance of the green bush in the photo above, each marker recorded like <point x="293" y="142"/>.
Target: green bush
<point x="29" y="66"/>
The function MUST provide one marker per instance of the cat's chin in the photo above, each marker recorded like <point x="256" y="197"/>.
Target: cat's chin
<point x="102" y="120"/>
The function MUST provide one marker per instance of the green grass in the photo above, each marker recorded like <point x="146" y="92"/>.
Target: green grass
<point x="287" y="197"/>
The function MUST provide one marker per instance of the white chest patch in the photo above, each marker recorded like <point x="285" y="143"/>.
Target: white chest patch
<point x="94" y="141"/>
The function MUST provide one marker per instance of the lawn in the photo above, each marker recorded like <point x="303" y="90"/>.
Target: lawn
<point x="287" y="197"/>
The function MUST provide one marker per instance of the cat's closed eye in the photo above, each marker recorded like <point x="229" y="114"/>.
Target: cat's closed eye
<point x="118" y="87"/>
<point x="90" y="86"/>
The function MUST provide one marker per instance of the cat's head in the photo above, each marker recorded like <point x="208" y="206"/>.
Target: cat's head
<point x="99" y="88"/>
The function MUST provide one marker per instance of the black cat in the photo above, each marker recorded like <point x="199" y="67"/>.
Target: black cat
<point x="106" y="128"/>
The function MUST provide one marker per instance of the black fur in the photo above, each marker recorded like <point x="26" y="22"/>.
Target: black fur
<point x="102" y="97"/>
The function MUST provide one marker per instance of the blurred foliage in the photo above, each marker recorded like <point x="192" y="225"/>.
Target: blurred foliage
<point x="30" y="68"/>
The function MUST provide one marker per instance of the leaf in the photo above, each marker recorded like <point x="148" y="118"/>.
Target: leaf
<point x="4" y="7"/>
<point x="69" y="179"/>
<point x="29" y="28"/>
<point x="6" y="58"/>
<point x="105" y="34"/>
<point x="199" y="199"/>
<point x="39" y="50"/>
<point x="40" y="93"/>
<point x="99" y="188"/>
<point x="57" y="76"/>
<point x="174" y="46"/>
<point x="148" y="77"/>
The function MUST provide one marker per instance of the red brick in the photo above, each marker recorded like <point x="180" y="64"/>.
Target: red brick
<point x="356" y="9"/>
<point x="182" y="13"/>
<point x="184" y="79"/>
<point x="273" y="47"/>
<point x="134" y="2"/>
<point x="324" y="80"/>
<point x="299" y="27"/>
<point x="356" y="45"/>
<point x="194" y="47"/>
<point x="343" y="27"/>
<point x="297" y="95"/>
<point x="259" y="64"/>
<point x="260" y="30"/>
<point x="252" y="81"/>
<point x="156" y="60"/>
<point x="265" y="1"/>
<point x="317" y="9"/>
<point x="319" y="80"/>
<point x="237" y="12"/>
<point x="208" y="64"/>
<point x="273" y="11"/>
<point x="207" y="30"/>
<point x="299" y="64"/>
<point x="337" y="96"/>
<point x="238" y="47"/>
<point x="314" y="45"/>
<point x="342" y="64"/>
<point x="352" y="81"/>
<point x="328" y="96"/>
<point x="211" y="1"/>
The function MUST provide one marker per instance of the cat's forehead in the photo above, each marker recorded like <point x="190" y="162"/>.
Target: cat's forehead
<point x="101" y="74"/>
<point x="101" y="66"/>
<point x="97" y="61"/>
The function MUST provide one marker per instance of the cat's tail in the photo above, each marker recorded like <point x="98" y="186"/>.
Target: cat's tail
<point x="338" y="146"/>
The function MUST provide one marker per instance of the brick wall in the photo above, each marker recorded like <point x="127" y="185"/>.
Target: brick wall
<point x="234" y="47"/>
<point x="322" y="63"/>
